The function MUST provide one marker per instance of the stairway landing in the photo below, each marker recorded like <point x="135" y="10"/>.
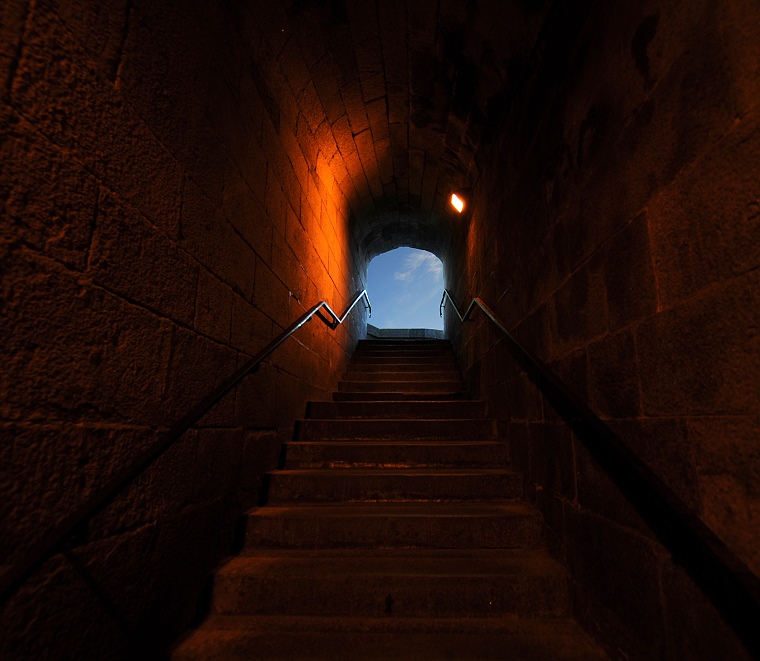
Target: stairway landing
<point x="393" y="530"/>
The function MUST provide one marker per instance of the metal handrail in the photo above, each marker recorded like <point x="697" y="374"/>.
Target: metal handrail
<point x="56" y="538"/>
<point x="732" y="587"/>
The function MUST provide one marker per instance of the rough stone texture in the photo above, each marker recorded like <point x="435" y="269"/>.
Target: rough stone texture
<point x="615" y="231"/>
<point x="179" y="182"/>
<point x="159" y="223"/>
<point x="370" y="554"/>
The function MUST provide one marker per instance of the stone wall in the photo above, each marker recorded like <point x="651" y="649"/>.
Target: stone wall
<point x="161" y="222"/>
<point x="616" y="230"/>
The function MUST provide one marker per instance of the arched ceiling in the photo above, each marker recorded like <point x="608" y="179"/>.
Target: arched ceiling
<point x="402" y="96"/>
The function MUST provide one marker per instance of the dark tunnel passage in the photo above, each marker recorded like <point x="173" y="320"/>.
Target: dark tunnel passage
<point x="180" y="181"/>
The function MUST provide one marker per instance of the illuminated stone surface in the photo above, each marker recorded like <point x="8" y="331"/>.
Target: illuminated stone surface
<point x="180" y="181"/>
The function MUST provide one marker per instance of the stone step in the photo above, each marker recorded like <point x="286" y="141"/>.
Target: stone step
<point x="390" y="376"/>
<point x="395" y="454"/>
<point x="396" y="525"/>
<point x="240" y="638"/>
<point x="401" y="583"/>
<point x="396" y="396"/>
<point x="410" y="352"/>
<point x="396" y="410"/>
<point x="311" y="429"/>
<point x="359" y="361"/>
<point x="388" y="485"/>
<point x="428" y="366"/>
<point x="401" y="386"/>
<point x="403" y="342"/>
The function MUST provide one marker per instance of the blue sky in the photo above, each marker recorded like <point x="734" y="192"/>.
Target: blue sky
<point x="405" y="286"/>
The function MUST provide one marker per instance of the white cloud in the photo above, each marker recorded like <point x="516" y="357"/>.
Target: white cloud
<point x="415" y="263"/>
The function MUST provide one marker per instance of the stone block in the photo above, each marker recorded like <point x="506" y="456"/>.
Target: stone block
<point x="705" y="224"/>
<point x="99" y="29"/>
<point x="701" y="357"/>
<point x="365" y="146"/>
<point x="246" y="214"/>
<point x="369" y="52"/>
<point x="307" y="142"/>
<point x="254" y="172"/>
<point x="76" y="351"/>
<point x="206" y="161"/>
<point x="613" y="384"/>
<point x="310" y="107"/>
<point x="51" y="469"/>
<point x="373" y="87"/>
<point x="385" y="167"/>
<point x="329" y="91"/>
<point x="117" y="565"/>
<point x="290" y="399"/>
<point x="498" y="401"/>
<point x="297" y="175"/>
<point x="416" y="170"/>
<point x="271" y="296"/>
<point x="621" y="570"/>
<point x="294" y="67"/>
<point x="326" y="140"/>
<point x="344" y="139"/>
<point x="133" y="259"/>
<point x="695" y="628"/>
<point x="159" y="68"/>
<point x="276" y="205"/>
<point x="271" y="144"/>
<point x="183" y="566"/>
<point x="209" y="237"/>
<point x="12" y="20"/>
<point x="422" y="69"/>
<point x="213" y="308"/>
<point x="163" y="488"/>
<point x="292" y="356"/>
<point x="67" y="618"/>
<point x="255" y="403"/>
<point x="519" y="448"/>
<point x="340" y="172"/>
<point x="49" y="201"/>
<point x="572" y="371"/>
<point x="580" y="309"/>
<point x="534" y="332"/>
<point x="261" y="453"/>
<point x="629" y="276"/>
<point x="598" y="493"/>
<point x="552" y="507"/>
<point x="217" y="464"/>
<point x="605" y="626"/>
<point x="377" y="113"/>
<point x="59" y="91"/>
<point x="552" y="463"/>
<point x="251" y="329"/>
<point x="392" y="21"/>
<point x="727" y="464"/>
<point x="295" y="235"/>
<point x="193" y="358"/>
<point x="663" y="445"/>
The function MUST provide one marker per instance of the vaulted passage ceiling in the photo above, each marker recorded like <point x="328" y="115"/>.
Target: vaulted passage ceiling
<point x="402" y="96"/>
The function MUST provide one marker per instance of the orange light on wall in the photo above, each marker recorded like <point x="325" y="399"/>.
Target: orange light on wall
<point x="457" y="202"/>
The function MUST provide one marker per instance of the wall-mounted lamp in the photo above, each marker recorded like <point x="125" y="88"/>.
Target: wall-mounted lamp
<point x="461" y="199"/>
<point x="457" y="202"/>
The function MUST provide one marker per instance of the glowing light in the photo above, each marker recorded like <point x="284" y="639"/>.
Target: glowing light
<point x="457" y="202"/>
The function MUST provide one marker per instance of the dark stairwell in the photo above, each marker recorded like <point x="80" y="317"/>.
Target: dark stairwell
<point x="393" y="530"/>
<point x="180" y="181"/>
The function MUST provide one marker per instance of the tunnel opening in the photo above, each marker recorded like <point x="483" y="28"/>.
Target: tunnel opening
<point x="405" y="285"/>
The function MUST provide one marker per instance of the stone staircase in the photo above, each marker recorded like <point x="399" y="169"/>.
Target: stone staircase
<point x="393" y="530"/>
